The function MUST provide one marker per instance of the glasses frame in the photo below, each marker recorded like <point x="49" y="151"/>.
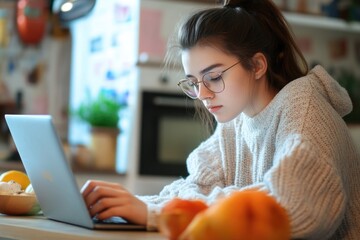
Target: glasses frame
<point x="197" y="83"/>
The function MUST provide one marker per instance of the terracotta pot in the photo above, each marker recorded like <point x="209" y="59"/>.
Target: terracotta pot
<point x="103" y="147"/>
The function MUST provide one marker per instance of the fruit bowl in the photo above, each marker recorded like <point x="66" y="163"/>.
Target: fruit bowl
<point x="18" y="204"/>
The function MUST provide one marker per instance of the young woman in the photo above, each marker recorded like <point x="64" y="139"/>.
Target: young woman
<point x="280" y="127"/>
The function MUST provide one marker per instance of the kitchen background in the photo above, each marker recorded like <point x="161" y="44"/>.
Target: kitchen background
<point x="117" y="48"/>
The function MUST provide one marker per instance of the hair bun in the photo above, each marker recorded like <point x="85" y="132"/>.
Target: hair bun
<point x="230" y="3"/>
<point x="245" y="4"/>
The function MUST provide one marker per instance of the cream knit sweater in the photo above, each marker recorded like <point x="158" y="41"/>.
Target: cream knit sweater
<point x="298" y="149"/>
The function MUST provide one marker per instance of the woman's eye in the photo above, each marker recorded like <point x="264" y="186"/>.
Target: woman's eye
<point x="213" y="77"/>
<point x="216" y="78"/>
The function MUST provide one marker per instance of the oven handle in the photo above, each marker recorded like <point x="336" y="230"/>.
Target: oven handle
<point x="172" y="102"/>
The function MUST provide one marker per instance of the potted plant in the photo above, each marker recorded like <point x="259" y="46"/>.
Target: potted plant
<point x="102" y="115"/>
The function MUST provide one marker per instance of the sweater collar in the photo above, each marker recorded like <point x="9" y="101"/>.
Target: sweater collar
<point x="261" y="120"/>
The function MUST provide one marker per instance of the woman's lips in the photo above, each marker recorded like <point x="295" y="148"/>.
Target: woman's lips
<point x="213" y="109"/>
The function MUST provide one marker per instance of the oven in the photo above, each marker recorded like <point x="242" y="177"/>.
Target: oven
<point x="169" y="132"/>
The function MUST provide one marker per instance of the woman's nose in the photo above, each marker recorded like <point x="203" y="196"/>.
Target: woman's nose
<point x="204" y="92"/>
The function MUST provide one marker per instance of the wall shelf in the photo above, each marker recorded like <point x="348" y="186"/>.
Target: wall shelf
<point x="308" y="20"/>
<point x="322" y="22"/>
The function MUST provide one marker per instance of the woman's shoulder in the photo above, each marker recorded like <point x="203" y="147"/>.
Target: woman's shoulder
<point x="319" y="87"/>
<point x="310" y="100"/>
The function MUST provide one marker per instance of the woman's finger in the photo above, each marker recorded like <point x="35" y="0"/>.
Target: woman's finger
<point x="89" y="186"/>
<point x="104" y="204"/>
<point x="131" y="209"/>
<point x="100" y="192"/>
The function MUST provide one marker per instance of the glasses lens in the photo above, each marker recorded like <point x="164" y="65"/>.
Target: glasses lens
<point x="189" y="87"/>
<point x="214" y="82"/>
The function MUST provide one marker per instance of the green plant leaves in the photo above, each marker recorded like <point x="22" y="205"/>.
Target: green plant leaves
<point x="102" y="111"/>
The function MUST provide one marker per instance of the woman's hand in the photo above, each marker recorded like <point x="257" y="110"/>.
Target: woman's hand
<point x="106" y="199"/>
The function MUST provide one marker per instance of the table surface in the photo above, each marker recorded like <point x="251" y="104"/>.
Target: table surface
<point x="38" y="228"/>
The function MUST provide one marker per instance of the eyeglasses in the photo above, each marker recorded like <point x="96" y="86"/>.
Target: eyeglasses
<point x="213" y="81"/>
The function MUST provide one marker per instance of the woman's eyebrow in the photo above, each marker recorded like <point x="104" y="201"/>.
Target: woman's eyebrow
<point x="207" y="69"/>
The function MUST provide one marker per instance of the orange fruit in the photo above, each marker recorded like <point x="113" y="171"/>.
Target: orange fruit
<point x="17" y="176"/>
<point x="177" y="214"/>
<point x="242" y="215"/>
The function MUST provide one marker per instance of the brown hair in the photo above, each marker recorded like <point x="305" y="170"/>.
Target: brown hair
<point x="243" y="28"/>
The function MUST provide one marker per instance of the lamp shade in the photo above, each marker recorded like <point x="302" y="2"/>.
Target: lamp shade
<point x="69" y="10"/>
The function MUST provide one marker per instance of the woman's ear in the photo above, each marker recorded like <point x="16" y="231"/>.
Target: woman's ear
<point x="260" y="65"/>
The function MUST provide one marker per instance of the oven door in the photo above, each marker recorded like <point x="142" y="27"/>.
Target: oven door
<point x="169" y="132"/>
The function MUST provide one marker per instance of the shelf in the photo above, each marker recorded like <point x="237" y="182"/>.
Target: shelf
<point x="322" y="22"/>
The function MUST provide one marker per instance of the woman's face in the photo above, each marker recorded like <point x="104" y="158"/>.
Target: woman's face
<point x="239" y="83"/>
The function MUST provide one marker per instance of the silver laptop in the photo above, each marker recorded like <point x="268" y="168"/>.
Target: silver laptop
<point x="45" y="163"/>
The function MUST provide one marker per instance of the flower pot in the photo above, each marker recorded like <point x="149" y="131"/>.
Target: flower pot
<point x="103" y="147"/>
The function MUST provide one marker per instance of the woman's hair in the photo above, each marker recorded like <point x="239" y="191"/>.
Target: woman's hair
<point x="243" y="28"/>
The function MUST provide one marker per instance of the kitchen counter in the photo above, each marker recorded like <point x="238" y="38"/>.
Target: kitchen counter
<point x="40" y="228"/>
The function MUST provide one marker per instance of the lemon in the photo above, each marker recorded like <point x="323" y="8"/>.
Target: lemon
<point x="17" y="176"/>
